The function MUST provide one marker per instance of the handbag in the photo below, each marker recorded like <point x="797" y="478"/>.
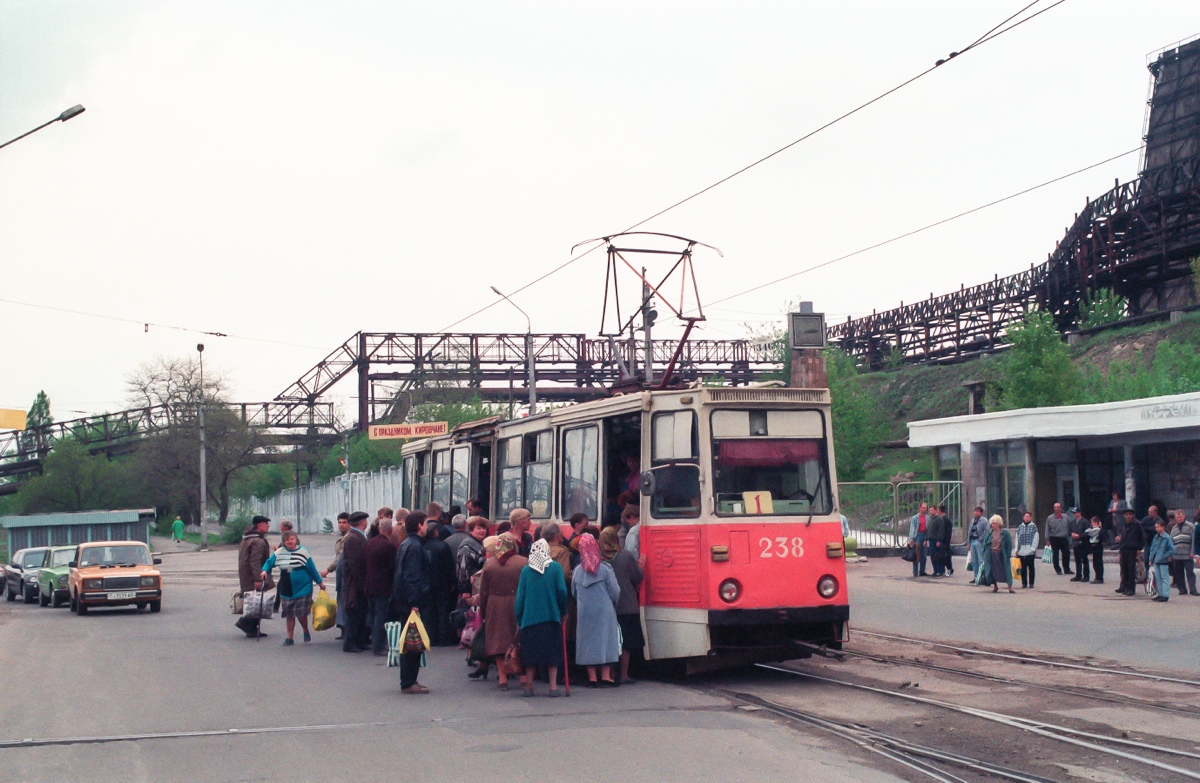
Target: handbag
<point x="512" y="661"/>
<point x="909" y="554"/>
<point x="236" y="603"/>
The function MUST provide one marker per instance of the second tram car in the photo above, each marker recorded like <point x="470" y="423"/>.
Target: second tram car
<point x="739" y="512"/>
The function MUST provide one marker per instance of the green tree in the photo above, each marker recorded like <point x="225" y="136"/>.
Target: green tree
<point x="39" y="416"/>
<point x="74" y="480"/>
<point x="1036" y="371"/>
<point x="858" y="425"/>
<point x="1100" y="307"/>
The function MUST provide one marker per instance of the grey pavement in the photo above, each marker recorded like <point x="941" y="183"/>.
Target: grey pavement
<point x="1058" y="616"/>
<point x="186" y="669"/>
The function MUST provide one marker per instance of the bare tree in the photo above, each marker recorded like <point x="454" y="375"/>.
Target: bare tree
<point x="174" y="382"/>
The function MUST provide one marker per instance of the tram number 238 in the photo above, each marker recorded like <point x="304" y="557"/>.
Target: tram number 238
<point x="781" y="547"/>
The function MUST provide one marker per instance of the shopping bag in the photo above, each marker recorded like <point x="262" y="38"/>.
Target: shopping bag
<point x="1016" y="566"/>
<point x="909" y="553"/>
<point x="1143" y="573"/>
<point x="1047" y="555"/>
<point x="236" y="603"/>
<point x="413" y="637"/>
<point x="393" y="639"/>
<point x="470" y="629"/>
<point x="324" y="612"/>
<point x="1151" y="587"/>
<point x="257" y="605"/>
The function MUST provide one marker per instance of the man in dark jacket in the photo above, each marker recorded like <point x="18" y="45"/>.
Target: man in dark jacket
<point x="1079" y="542"/>
<point x="935" y="537"/>
<point x="381" y="569"/>
<point x="443" y="580"/>
<point x="1131" y="541"/>
<point x="411" y="589"/>
<point x="252" y="553"/>
<point x="354" y="571"/>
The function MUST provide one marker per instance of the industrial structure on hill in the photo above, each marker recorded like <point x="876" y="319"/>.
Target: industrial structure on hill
<point x="1137" y="240"/>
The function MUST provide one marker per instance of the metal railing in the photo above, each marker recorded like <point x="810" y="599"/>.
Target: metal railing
<point x="879" y="511"/>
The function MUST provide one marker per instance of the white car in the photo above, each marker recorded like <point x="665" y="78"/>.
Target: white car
<point x="21" y="574"/>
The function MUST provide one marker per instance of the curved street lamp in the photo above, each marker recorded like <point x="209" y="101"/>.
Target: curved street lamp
<point x="74" y="111"/>
<point x="528" y="352"/>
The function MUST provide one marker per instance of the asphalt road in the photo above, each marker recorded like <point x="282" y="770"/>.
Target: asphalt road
<point x="116" y="673"/>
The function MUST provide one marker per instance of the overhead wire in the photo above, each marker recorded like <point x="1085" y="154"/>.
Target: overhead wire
<point x="915" y="231"/>
<point x="990" y="35"/>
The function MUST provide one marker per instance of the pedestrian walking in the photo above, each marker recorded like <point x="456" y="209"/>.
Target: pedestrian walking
<point x="412" y="589"/>
<point x="1027" y="545"/>
<point x="1183" y="536"/>
<point x="381" y="573"/>
<point x="935" y="541"/>
<point x="977" y="529"/>
<point x="335" y="567"/>
<point x="1162" y="549"/>
<point x="918" y="529"/>
<point x="1058" y="532"/>
<point x="1079" y="544"/>
<point x="443" y="578"/>
<point x="629" y="571"/>
<point x="597" y="632"/>
<point x="177" y="530"/>
<point x="252" y="553"/>
<point x="1131" y="541"/>
<point x="354" y="572"/>
<point x="297" y="573"/>
<point x="998" y="544"/>
<point x="541" y="602"/>
<point x="497" y="601"/>
<point x="1095" y="536"/>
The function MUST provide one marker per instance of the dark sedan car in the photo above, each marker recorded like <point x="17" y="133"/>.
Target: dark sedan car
<point x="21" y="574"/>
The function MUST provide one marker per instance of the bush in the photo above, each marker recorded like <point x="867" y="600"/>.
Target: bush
<point x="1102" y="307"/>
<point x="231" y="532"/>
<point x="1037" y="371"/>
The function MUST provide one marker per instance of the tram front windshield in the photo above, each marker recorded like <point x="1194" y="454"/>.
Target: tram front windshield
<point x="755" y="473"/>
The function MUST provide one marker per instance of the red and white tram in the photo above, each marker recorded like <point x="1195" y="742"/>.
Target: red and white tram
<point x="739" y="513"/>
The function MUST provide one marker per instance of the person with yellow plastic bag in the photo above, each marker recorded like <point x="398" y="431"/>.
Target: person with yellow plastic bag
<point x="324" y="612"/>
<point x="412" y="594"/>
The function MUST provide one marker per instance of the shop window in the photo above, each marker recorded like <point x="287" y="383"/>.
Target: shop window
<point x="949" y="462"/>
<point x="1006" y="480"/>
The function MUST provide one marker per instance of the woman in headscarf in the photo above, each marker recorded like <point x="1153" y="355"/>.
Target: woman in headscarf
<point x="997" y="555"/>
<point x="628" y="570"/>
<point x="541" y="603"/>
<point x="497" y="601"/>
<point x="491" y="546"/>
<point x="597" y="634"/>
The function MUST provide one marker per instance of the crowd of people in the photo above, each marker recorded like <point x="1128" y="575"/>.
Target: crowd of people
<point x="1163" y="543"/>
<point x="525" y="600"/>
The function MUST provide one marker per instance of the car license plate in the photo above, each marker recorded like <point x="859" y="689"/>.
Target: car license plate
<point x="122" y="596"/>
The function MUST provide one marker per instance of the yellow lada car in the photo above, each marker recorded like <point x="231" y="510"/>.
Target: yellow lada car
<point x="114" y="573"/>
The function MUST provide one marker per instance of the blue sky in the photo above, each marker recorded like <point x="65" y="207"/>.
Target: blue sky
<point x="299" y="171"/>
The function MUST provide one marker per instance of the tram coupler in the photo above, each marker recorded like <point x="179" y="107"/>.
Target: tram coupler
<point x="807" y="650"/>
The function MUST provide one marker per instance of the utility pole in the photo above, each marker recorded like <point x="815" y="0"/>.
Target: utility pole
<point x="529" y="359"/>
<point x="648" y="316"/>
<point x="346" y="453"/>
<point x="203" y="461"/>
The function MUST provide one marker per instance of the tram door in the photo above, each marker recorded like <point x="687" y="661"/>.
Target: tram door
<point x="622" y="464"/>
<point x="481" y="470"/>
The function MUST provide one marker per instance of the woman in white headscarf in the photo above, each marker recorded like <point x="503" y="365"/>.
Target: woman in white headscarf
<point x="541" y="604"/>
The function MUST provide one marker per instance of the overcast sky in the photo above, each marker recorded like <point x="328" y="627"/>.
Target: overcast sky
<point x="295" y="172"/>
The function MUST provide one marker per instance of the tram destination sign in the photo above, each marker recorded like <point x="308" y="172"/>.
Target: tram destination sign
<point x="425" y="429"/>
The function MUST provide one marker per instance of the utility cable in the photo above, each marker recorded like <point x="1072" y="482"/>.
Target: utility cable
<point x="147" y="324"/>
<point x="915" y="231"/>
<point x="990" y="35"/>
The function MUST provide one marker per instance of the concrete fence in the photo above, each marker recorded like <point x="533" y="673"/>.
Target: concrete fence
<point x="320" y="502"/>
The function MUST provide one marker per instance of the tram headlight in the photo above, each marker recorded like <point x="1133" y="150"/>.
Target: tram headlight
<point x="730" y="590"/>
<point x="827" y="586"/>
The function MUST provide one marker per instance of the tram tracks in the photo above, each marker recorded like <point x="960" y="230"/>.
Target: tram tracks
<point x="1063" y="734"/>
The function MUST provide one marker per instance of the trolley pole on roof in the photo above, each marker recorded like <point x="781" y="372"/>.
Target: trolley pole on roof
<point x="648" y="316"/>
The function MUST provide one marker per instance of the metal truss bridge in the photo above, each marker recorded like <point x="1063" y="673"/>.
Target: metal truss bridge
<point x="1137" y="239"/>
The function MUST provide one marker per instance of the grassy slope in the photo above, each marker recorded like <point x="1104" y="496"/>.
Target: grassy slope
<point x="918" y="392"/>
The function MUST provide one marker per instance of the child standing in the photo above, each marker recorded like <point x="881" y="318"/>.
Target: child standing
<point x="1095" y="534"/>
<point x="1161" y="550"/>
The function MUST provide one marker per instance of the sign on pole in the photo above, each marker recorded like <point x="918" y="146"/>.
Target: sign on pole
<point x="426" y="429"/>
<point x="12" y="419"/>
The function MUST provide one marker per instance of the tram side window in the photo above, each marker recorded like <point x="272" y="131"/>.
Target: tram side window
<point x="580" y="471"/>
<point x="460" y="469"/>
<point x="770" y="462"/>
<point x="406" y="487"/>
<point x="510" y="495"/>
<point x="675" y="463"/>
<point x="537" y="454"/>
<point x="421" y="482"/>
<point x="441" y="478"/>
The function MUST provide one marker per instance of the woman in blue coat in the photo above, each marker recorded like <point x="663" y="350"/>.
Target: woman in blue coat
<point x="541" y="603"/>
<point x="597" y="634"/>
<point x="997" y="555"/>
<point x="297" y="573"/>
<point x="1161" y="550"/>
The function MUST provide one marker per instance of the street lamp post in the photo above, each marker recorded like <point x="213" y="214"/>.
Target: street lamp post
<point x="203" y="461"/>
<point x="529" y="371"/>
<point x="74" y="111"/>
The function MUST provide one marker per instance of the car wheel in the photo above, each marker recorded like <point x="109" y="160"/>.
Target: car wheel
<point x="77" y="605"/>
<point x="55" y="601"/>
<point x="74" y="603"/>
<point x="43" y="600"/>
<point x="156" y="606"/>
<point x="11" y="594"/>
<point x="29" y="595"/>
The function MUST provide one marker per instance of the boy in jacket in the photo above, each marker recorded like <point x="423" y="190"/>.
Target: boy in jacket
<point x="1162" y="549"/>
